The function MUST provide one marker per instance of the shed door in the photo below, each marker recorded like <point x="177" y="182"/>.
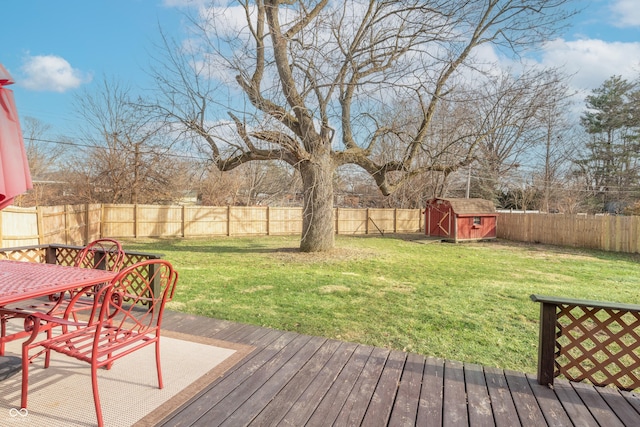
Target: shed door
<point x="440" y="221"/>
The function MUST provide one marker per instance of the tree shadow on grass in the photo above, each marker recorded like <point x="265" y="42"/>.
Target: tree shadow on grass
<point x="218" y="247"/>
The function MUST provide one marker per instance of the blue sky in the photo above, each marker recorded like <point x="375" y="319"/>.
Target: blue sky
<point x="54" y="49"/>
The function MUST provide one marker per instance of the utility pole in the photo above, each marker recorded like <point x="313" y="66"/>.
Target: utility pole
<point x="468" y="181"/>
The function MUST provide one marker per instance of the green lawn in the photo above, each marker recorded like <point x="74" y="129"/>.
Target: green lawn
<point x="467" y="302"/>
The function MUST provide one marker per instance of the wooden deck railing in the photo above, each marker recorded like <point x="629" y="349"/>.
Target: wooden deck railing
<point x="64" y="254"/>
<point x="589" y="340"/>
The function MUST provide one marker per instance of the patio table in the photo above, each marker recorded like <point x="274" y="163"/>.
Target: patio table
<point x="21" y="281"/>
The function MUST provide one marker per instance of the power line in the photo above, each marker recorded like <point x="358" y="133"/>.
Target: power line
<point x="98" y="147"/>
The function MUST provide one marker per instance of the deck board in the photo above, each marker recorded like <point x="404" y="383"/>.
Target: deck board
<point x="197" y="407"/>
<point x="290" y="379"/>
<point x="331" y="405"/>
<point x="479" y="401"/>
<point x="597" y="405"/>
<point x="235" y="330"/>
<point x="356" y="405"/>
<point x="302" y="410"/>
<point x="504" y="409"/>
<point x="381" y="404"/>
<point x="273" y="413"/>
<point x="431" y="396"/>
<point x="266" y="391"/>
<point x="551" y="407"/>
<point x="454" y="407"/>
<point x="405" y="408"/>
<point x="633" y="399"/>
<point x="529" y="412"/>
<point x="575" y="407"/>
<point x="261" y="371"/>
<point x="620" y="406"/>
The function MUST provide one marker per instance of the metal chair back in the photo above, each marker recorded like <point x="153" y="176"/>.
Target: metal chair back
<point x="105" y="254"/>
<point x="126" y="316"/>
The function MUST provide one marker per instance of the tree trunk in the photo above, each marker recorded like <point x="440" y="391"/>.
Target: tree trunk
<point x="317" y="214"/>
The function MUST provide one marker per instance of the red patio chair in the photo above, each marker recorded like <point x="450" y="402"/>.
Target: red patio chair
<point x="126" y="315"/>
<point x="106" y="254"/>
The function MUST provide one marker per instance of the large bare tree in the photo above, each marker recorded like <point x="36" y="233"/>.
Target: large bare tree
<point x="44" y="156"/>
<point x="558" y="147"/>
<point x="309" y="83"/>
<point x="511" y="111"/>
<point x="125" y="155"/>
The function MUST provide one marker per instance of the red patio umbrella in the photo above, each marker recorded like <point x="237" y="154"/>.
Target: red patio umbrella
<point x="15" y="177"/>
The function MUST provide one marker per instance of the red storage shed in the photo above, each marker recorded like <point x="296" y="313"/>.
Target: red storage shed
<point x="461" y="219"/>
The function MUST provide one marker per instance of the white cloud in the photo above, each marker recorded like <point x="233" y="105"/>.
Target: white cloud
<point x="593" y="61"/>
<point x="627" y="12"/>
<point x="51" y="73"/>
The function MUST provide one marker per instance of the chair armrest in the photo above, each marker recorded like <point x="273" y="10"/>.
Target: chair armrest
<point x="36" y="323"/>
<point x="53" y="319"/>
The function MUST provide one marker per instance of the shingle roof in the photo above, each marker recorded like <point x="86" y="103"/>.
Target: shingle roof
<point x="471" y="206"/>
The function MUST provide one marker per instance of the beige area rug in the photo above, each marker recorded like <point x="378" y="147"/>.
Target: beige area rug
<point x="61" y="395"/>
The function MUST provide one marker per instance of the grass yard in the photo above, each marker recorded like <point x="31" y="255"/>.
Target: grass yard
<point x="467" y="302"/>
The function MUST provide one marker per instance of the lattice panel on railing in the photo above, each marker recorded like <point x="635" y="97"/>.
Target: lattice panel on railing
<point x="599" y="345"/>
<point x="138" y="283"/>
<point x="133" y="258"/>
<point x="25" y="254"/>
<point x="130" y="259"/>
<point x="66" y="256"/>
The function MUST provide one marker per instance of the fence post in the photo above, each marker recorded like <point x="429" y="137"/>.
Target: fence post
<point x="546" y="343"/>
<point x="102" y="214"/>
<point x="395" y="220"/>
<point x="634" y="236"/>
<point x="268" y="221"/>
<point x="135" y="221"/>
<point x="366" y="224"/>
<point x="337" y="220"/>
<point x="184" y="216"/>
<point x="67" y="220"/>
<point x="229" y="220"/>
<point x="39" y="225"/>
<point x="87" y="219"/>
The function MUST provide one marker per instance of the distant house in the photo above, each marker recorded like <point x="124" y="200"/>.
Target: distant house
<point x="461" y="219"/>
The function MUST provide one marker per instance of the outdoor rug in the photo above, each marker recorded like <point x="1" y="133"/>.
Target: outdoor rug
<point x="61" y="395"/>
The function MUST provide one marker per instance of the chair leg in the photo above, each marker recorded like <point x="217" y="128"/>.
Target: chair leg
<point x="158" y="366"/>
<point x="4" y="318"/>
<point x="25" y="376"/>
<point x="47" y="354"/>
<point x="3" y="332"/>
<point x="96" y="395"/>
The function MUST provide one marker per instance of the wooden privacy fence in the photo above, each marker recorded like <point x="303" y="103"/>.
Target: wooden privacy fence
<point x="69" y="224"/>
<point x="79" y="224"/>
<point x="605" y="232"/>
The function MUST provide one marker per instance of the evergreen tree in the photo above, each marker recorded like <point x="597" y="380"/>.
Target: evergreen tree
<point x="610" y="161"/>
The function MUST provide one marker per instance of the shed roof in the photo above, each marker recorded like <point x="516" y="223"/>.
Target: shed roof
<point x="471" y="206"/>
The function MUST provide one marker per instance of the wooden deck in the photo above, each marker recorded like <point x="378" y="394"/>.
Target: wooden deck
<point x="297" y="380"/>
